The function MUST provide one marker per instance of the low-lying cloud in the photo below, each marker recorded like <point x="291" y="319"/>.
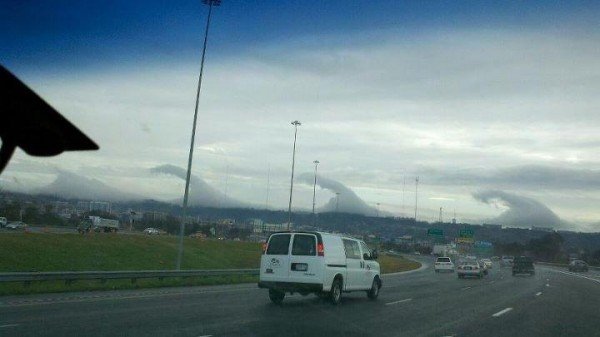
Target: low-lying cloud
<point x="522" y="211"/>
<point x="201" y="193"/>
<point x="346" y="202"/>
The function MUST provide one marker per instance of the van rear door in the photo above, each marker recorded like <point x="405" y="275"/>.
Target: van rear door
<point x="275" y="263"/>
<point x="305" y="264"/>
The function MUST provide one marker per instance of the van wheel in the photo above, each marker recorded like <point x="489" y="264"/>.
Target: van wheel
<point x="374" y="291"/>
<point x="335" y="295"/>
<point x="276" y="296"/>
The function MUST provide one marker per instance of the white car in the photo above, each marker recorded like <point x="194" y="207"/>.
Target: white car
<point x="316" y="262"/>
<point x="16" y="225"/>
<point x="151" y="231"/>
<point x="487" y="263"/>
<point x="443" y="264"/>
<point x="3" y="221"/>
<point x="506" y="261"/>
<point x="470" y="268"/>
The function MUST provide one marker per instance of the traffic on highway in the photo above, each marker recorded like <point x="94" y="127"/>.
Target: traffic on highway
<point x="553" y="302"/>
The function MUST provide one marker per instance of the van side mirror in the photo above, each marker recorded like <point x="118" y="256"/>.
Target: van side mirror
<point x="374" y="254"/>
<point x="366" y="256"/>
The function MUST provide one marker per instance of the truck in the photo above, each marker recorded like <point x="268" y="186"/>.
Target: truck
<point x="99" y="224"/>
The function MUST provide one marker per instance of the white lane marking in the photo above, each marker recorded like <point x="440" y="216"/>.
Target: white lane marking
<point x="8" y="325"/>
<point x="501" y="312"/>
<point x="401" y="301"/>
<point x="538" y="294"/>
<point x="576" y="275"/>
<point x="547" y="284"/>
<point x="491" y="282"/>
<point x="465" y="288"/>
<point x="205" y="336"/>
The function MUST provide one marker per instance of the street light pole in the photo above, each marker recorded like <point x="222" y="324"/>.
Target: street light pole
<point x="295" y="124"/>
<point x="210" y="4"/>
<point x="337" y="201"/>
<point x="416" y="196"/>
<point x="316" y="162"/>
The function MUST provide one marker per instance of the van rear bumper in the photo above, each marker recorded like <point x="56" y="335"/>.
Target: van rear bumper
<point x="291" y="286"/>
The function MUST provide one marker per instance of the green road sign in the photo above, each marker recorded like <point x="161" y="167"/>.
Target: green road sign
<point x="466" y="233"/>
<point x="435" y="232"/>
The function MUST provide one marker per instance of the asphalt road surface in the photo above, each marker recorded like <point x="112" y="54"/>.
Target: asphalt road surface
<point x="554" y="302"/>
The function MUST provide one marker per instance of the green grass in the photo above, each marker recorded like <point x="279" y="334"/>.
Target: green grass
<point x="72" y="252"/>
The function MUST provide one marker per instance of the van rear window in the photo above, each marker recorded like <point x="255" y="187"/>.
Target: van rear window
<point x="279" y="245"/>
<point x="304" y="245"/>
<point x="443" y="259"/>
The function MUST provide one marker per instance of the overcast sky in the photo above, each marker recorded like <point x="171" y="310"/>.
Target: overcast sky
<point x="494" y="98"/>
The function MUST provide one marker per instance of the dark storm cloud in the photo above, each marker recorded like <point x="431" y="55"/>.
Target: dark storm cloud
<point x="529" y="177"/>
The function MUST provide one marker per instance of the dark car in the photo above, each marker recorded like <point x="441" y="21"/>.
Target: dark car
<point x="578" y="265"/>
<point x="523" y="265"/>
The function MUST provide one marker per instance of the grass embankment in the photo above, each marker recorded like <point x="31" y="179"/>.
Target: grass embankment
<point x="72" y="252"/>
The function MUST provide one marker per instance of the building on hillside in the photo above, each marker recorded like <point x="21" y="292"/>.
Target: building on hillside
<point x="492" y="226"/>
<point x="228" y="222"/>
<point x="154" y="216"/>
<point x="102" y="206"/>
<point x="83" y="206"/>
<point x="542" y="229"/>
<point x="262" y="227"/>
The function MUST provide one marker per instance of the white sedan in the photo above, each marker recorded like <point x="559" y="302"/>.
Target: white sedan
<point x="443" y="264"/>
<point x="470" y="268"/>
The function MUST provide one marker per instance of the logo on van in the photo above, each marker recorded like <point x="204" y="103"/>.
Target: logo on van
<point x="275" y="262"/>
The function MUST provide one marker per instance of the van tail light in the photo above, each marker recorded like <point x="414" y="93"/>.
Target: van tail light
<point x="264" y="247"/>
<point x="320" y="250"/>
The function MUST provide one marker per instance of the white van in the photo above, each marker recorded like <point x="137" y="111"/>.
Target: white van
<point x="315" y="262"/>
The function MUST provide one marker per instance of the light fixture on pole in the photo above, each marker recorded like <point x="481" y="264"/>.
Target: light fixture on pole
<point x="211" y="4"/>
<point x="316" y="162"/>
<point x="295" y="124"/>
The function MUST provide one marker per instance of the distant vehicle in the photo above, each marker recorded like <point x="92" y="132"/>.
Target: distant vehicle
<point x="506" y="261"/>
<point x="470" y="268"/>
<point x="487" y="263"/>
<point x="484" y="266"/>
<point x="3" y="221"/>
<point x="151" y="231"/>
<point x="443" y="264"/>
<point x="417" y="253"/>
<point x="578" y="265"/>
<point x="15" y="225"/>
<point x="495" y="258"/>
<point x="321" y="263"/>
<point x="198" y="235"/>
<point x="523" y="265"/>
<point x="100" y="224"/>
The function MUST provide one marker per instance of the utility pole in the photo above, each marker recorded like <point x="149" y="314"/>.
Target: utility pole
<point x="210" y="4"/>
<point x="440" y="220"/>
<point x="403" y="189"/>
<point x="295" y="124"/>
<point x="337" y="202"/>
<point x="377" y="209"/>
<point x="416" y="196"/>
<point x="268" y="186"/>
<point x="316" y="162"/>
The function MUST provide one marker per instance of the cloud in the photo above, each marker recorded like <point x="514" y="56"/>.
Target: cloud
<point x="521" y="211"/>
<point x="348" y="201"/>
<point x="72" y="185"/>
<point x="200" y="194"/>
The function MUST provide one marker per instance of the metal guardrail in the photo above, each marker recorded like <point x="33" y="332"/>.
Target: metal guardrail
<point x="563" y="265"/>
<point x="71" y="276"/>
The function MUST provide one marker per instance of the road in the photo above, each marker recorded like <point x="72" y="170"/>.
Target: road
<point x="420" y="303"/>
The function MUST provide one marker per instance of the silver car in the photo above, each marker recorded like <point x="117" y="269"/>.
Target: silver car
<point x="470" y="268"/>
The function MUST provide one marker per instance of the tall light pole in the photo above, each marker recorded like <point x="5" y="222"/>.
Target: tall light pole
<point x="377" y="209"/>
<point x="268" y="186"/>
<point x="211" y="4"/>
<point x="316" y="162"/>
<point x="416" y="196"/>
<point x="337" y="201"/>
<point x="295" y="124"/>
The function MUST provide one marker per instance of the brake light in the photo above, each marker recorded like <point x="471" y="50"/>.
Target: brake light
<point x="264" y="247"/>
<point x="320" y="249"/>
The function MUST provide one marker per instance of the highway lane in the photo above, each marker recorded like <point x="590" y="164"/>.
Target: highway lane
<point x="422" y="303"/>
